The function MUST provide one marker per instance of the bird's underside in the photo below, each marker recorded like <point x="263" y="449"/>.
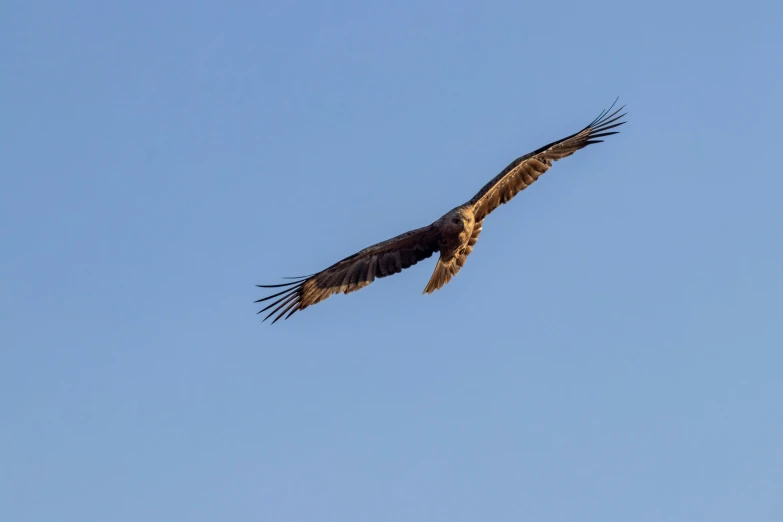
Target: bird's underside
<point x="452" y="236"/>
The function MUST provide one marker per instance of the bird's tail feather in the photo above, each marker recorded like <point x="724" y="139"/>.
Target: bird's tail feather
<point x="442" y="274"/>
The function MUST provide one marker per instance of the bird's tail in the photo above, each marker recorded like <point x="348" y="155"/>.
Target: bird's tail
<point x="443" y="273"/>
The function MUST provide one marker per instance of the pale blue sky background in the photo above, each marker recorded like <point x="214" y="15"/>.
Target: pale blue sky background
<point x="611" y="351"/>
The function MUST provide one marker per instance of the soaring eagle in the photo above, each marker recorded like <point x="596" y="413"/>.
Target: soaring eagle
<point x="452" y="236"/>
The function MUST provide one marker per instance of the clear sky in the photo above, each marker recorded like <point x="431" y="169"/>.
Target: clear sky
<point x="612" y="350"/>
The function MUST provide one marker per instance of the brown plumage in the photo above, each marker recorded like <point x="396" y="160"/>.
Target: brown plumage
<point x="452" y="236"/>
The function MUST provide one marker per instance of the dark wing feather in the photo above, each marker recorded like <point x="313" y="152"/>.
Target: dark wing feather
<point x="523" y="171"/>
<point x="352" y="273"/>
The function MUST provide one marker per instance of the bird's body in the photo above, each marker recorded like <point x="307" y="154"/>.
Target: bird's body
<point x="452" y="236"/>
<point x="454" y="230"/>
<point x="457" y="233"/>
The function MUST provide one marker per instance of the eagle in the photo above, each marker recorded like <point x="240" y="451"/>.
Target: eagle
<point x="452" y="236"/>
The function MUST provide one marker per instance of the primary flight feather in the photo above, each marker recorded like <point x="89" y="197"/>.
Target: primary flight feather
<point x="452" y="236"/>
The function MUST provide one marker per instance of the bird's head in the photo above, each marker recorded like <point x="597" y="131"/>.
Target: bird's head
<point x="460" y="218"/>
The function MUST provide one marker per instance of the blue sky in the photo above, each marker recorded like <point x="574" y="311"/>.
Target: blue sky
<point x="611" y="350"/>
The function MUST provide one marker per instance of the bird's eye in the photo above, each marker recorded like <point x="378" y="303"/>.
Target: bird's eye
<point x="456" y="220"/>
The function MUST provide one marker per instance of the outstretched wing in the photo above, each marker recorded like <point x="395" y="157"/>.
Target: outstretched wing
<point x="354" y="272"/>
<point x="523" y="171"/>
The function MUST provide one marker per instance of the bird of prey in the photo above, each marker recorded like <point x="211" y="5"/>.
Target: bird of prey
<point x="453" y="236"/>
